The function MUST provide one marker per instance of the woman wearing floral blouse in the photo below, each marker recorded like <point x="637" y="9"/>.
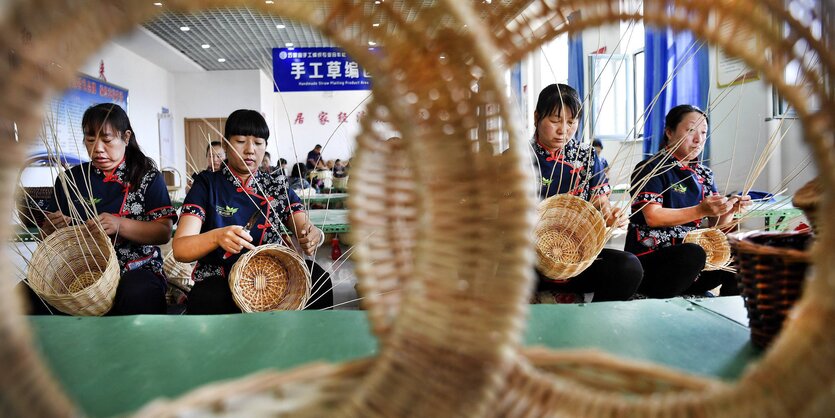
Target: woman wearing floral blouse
<point x="674" y="193"/>
<point x="132" y="203"/>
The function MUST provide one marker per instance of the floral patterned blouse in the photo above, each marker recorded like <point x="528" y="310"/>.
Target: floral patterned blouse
<point x="673" y="184"/>
<point x="576" y="169"/>
<point x="221" y="199"/>
<point x="111" y="193"/>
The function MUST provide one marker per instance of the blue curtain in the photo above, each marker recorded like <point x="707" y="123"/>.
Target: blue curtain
<point x="668" y="53"/>
<point x="576" y="70"/>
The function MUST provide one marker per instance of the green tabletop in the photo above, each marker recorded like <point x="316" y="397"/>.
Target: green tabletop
<point x="325" y="198"/>
<point x="331" y="221"/>
<point x="776" y="213"/>
<point x="114" y="365"/>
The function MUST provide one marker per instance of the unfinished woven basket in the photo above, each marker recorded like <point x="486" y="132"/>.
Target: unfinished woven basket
<point x="271" y="277"/>
<point x="715" y="244"/>
<point x="75" y="270"/>
<point x="569" y="235"/>
<point x="452" y="348"/>
<point x="772" y="271"/>
<point x="177" y="273"/>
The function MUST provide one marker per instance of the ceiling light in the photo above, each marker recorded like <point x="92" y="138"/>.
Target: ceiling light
<point x="280" y="26"/>
<point x="372" y="43"/>
<point x="185" y="28"/>
<point x="158" y="4"/>
<point x="376" y="25"/>
<point x="205" y="46"/>
<point x="221" y="60"/>
<point x="288" y="44"/>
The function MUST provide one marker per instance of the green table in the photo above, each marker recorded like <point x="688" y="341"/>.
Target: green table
<point x="325" y="198"/>
<point x="114" y="365"/>
<point x="776" y="214"/>
<point x="330" y="221"/>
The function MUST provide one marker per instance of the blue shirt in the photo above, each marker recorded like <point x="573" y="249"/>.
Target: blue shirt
<point x="110" y="193"/>
<point x="220" y="199"/>
<point x="673" y="185"/>
<point x="575" y="169"/>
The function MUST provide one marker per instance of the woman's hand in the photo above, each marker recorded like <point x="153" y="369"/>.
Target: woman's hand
<point x="109" y="222"/>
<point x="742" y="203"/>
<point x="616" y="217"/>
<point x="716" y="205"/>
<point x="54" y="220"/>
<point x="233" y="239"/>
<point x="309" y="238"/>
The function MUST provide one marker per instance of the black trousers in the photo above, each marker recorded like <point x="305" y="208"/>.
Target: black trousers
<point x="139" y="292"/>
<point x="212" y="296"/>
<point x="614" y="275"/>
<point x="677" y="270"/>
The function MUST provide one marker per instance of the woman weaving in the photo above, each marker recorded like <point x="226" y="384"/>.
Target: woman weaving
<point x="131" y="200"/>
<point x="565" y="165"/>
<point x="219" y="205"/>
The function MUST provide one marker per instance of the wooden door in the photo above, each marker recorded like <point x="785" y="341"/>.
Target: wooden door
<point x="200" y="132"/>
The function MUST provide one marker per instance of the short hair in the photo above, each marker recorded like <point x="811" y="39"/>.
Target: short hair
<point x="282" y="161"/>
<point x="317" y="146"/>
<point x="267" y="154"/>
<point x="213" y="144"/>
<point x="597" y="143"/>
<point x="246" y="122"/>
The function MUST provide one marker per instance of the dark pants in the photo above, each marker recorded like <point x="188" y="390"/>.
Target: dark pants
<point x="212" y="296"/>
<point x="677" y="270"/>
<point x="139" y="292"/>
<point x="614" y="275"/>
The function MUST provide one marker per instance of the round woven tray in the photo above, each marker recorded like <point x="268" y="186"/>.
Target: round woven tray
<point x="772" y="271"/>
<point x="569" y="235"/>
<point x="452" y="350"/>
<point x="270" y="278"/>
<point x="715" y="244"/>
<point x="75" y="269"/>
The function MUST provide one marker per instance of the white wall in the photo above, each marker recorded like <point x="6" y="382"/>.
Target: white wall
<point x="741" y="126"/>
<point x="150" y="88"/>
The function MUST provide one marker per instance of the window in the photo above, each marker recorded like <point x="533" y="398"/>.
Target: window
<point x="612" y="99"/>
<point x="807" y="12"/>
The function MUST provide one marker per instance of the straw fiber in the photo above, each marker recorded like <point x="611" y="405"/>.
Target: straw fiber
<point x="270" y="278"/>
<point x="715" y="244"/>
<point x="451" y="346"/>
<point x="75" y="269"/>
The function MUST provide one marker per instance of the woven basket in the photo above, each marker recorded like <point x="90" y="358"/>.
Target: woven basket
<point x="569" y="235"/>
<point x="807" y="198"/>
<point x="76" y="271"/>
<point x="270" y="278"/>
<point x="772" y="270"/>
<point x="31" y="204"/>
<point x="716" y="246"/>
<point x="452" y="349"/>
<point x="177" y="273"/>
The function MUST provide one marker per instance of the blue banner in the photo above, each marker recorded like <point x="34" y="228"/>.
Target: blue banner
<point x="317" y="69"/>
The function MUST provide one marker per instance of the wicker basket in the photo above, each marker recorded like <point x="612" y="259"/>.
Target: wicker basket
<point x="31" y="204"/>
<point x="569" y="235"/>
<point x="270" y="278"/>
<point x="76" y="271"/>
<point x="177" y="273"/>
<point x="716" y="246"/>
<point x="807" y="199"/>
<point x="772" y="268"/>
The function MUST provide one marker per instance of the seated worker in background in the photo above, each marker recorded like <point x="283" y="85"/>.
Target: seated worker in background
<point x="314" y="159"/>
<point x="339" y="169"/>
<point x="265" y="166"/>
<point x="298" y="177"/>
<point x="282" y="166"/>
<point x="566" y="165"/>
<point x="598" y="148"/>
<point x="215" y="155"/>
<point x="674" y="192"/>
<point x="131" y="199"/>
<point x="220" y="203"/>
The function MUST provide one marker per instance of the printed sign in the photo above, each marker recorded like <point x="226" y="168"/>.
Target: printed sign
<point x="317" y="69"/>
